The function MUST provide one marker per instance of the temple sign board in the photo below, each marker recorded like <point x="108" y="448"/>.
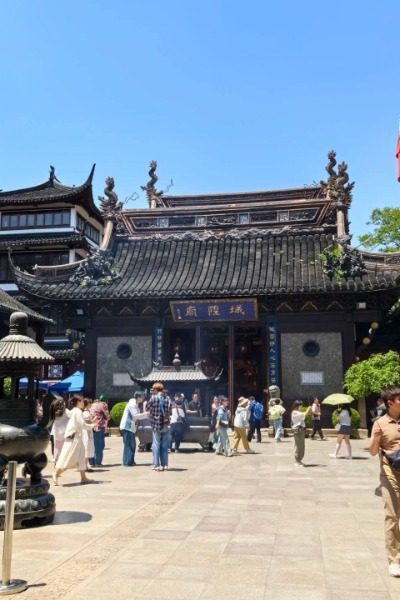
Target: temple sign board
<point x="215" y="310"/>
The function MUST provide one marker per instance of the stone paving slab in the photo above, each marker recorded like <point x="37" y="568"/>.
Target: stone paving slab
<point x="249" y="527"/>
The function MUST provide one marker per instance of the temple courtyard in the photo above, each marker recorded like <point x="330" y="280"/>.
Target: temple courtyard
<point x="251" y="527"/>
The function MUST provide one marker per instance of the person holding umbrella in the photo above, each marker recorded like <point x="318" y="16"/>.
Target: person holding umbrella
<point x="342" y="402"/>
<point x="344" y="431"/>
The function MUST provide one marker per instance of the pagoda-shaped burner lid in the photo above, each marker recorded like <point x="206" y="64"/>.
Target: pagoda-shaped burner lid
<point x="18" y="347"/>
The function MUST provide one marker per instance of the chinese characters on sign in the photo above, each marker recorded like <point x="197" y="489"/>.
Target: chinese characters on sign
<point x="158" y="345"/>
<point x="215" y="310"/>
<point x="273" y="352"/>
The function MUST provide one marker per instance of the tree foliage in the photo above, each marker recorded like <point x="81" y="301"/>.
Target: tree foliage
<point x="386" y="234"/>
<point x="373" y="375"/>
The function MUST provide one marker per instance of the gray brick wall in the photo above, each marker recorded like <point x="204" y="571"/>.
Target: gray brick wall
<point x="111" y="368"/>
<point x="293" y="360"/>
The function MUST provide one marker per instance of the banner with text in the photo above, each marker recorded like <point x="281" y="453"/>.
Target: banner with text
<point x="273" y="355"/>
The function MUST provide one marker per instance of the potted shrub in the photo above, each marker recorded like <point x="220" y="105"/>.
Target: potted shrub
<point x="308" y="420"/>
<point x="116" y="413"/>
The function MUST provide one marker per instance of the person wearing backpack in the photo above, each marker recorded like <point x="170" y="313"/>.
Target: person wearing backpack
<point x="256" y="410"/>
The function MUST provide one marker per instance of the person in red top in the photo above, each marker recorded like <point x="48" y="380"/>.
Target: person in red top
<point x="99" y="411"/>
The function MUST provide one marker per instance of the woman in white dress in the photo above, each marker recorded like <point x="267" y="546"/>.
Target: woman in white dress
<point x="59" y="415"/>
<point x="72" y="455"/>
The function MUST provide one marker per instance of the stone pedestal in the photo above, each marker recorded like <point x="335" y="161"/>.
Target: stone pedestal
<point x="34" y="505"/>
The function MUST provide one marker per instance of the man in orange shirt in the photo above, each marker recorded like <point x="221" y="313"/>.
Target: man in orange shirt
<point x="385" y="440"/>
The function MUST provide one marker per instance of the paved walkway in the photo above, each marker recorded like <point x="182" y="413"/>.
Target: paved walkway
<point x="251" y="527"/>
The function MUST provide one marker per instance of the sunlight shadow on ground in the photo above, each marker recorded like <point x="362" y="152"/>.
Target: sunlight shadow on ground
<point x="66" y="517"/>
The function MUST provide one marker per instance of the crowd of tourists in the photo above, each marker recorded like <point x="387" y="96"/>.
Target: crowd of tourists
<point x="78" y="437"/>
<point x="78" y="431"/>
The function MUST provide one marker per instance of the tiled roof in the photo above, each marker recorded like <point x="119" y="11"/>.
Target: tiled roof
<point x="290" y="194"/>
<point x="42" y="239"/>
<point x="66" y="353"/>
<point x="8" y="305"/>
<point x="51" y="191"/>
<point x="168" y="374"/>
<point x="21" y="349"/>
<point x="217" y="266"/>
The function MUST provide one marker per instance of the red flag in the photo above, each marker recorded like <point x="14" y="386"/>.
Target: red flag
<point x="398" y="154"/>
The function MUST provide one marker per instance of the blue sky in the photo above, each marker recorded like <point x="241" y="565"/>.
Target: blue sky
<point x="226" y="95"/>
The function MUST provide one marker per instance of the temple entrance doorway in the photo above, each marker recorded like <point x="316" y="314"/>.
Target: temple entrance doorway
<point x="239" y="352"/>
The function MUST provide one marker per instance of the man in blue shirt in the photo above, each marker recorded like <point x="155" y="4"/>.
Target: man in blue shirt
<point x="256" y="410"/>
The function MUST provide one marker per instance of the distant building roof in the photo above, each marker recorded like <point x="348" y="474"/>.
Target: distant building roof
<point x="52" y="191"/>
<point x="288" y="195"/>
<point x="8" y="305"/>
<point x="26" y="240"/>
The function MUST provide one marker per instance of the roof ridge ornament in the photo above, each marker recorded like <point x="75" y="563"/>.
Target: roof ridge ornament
<point x="52" y="175"/>
<point x="341" y="261"/>
<point x="154" y="196"/>
<point x="338" y="191"/>
<point x="336" y="187"/>
<point x="97" y="269"/>
<point x="111" y="207"/>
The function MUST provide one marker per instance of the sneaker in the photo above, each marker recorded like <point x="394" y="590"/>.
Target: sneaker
<point x="394" y="569"/>
<point x="332" y="456"/>
<point x="349" y="457"/>
<point x="250" y="452"/>
<point x="299" y="464"/>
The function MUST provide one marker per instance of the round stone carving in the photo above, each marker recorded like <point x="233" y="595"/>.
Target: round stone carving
<point x="124" y="351"/>
<point x="311" y="348"/>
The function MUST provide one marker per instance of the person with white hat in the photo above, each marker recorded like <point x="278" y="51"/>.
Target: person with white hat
<point x="240" y="424"/>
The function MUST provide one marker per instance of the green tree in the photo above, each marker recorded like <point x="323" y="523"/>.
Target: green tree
<point x="373" y="375"/>
<point x="386" y="234"/>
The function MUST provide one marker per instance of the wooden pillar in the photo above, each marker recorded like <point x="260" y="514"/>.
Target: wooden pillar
<point x="231" y="365"/>
<point x="90" y="362"/>
<point x="197" y="347"/>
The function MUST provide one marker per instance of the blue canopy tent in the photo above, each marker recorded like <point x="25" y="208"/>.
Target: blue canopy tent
<point x="42" y="385"/>
<point x="71" y="384"/>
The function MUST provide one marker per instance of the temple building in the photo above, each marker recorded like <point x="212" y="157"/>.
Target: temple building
<point x="260" y="287"/>
<point x="49" y="224"/>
